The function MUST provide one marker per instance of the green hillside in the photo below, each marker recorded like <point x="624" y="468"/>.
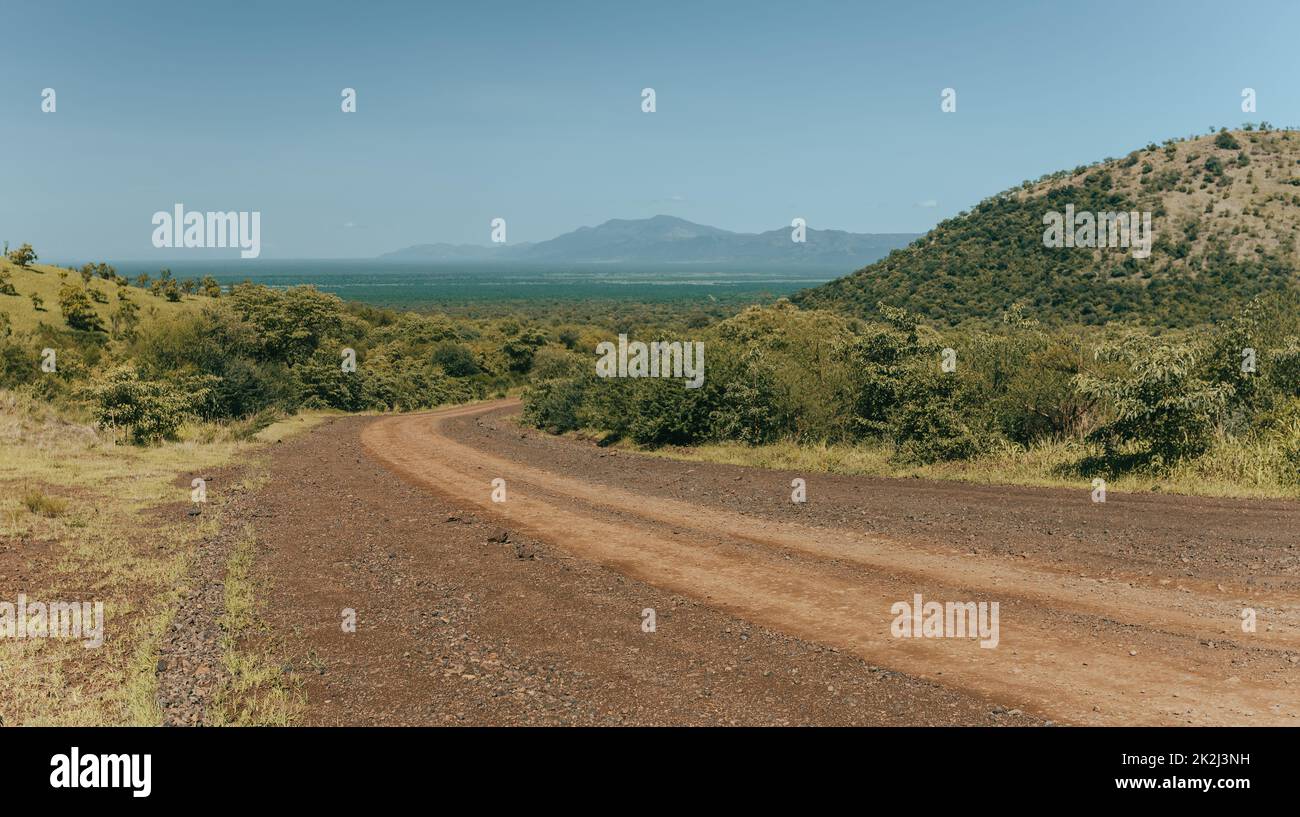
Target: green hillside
<point x="45" y="282"/>
<point x="1225" y="216"/>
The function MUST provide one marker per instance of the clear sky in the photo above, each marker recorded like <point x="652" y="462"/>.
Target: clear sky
<point x="531" y="111"/>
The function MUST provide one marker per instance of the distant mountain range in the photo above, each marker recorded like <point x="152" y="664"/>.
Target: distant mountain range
<point x="671" y="240"/>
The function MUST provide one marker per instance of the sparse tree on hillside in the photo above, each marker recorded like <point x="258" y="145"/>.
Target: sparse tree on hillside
<point x="165" y="286"/>
<point x="23" y="257"/>
<point x="125" y="318"/>
<point x="77" y="309"/>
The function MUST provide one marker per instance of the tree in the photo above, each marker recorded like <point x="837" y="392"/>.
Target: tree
<point x="77" y="309"/>
<point x="23" y="257"/>
<point x="6" y="285"/>
<point x="1159" y="405"/>
<point x="519" y="350"/>
<point x="291" y="323"/>
<point x="125" y="318"/>
<point x="165" y="286"/>
<point x="210" y="287"/>
<point x="455" y="359"/>
<point x="101" y="269"/>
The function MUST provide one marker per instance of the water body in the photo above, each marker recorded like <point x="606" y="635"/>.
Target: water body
<point x="414" y="284"/>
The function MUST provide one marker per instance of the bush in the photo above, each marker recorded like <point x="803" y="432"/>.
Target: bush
<point x="930" y="424"/>
<point x="455" y="359"/>
<point x="519" y="350"/>
<point x="667" y="413"/>
<point x="1226" y="141"/>
<point x="1159" y="404"/>
<point x="322" y="383"/>
<point x="555" y="405"/>
<point x="149" y="410"/>
<point x="77" y="309"/>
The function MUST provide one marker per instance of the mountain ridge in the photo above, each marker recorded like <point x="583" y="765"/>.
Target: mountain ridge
<point x="669" y="239"/>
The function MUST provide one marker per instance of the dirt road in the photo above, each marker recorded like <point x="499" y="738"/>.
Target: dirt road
<point x="766" y="611"/>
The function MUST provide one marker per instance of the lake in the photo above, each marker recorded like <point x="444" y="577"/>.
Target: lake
<point x="414" y="284"/>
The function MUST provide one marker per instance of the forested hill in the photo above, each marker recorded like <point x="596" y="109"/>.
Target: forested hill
<point x="1225" y="213"/>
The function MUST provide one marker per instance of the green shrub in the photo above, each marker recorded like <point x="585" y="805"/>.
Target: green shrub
<point x="77" y="309"/>
<point x="555" y="405"/>
<point x="149" y="410"/>
<point x="1159" y="403"/>
<point x="456" y="359"/>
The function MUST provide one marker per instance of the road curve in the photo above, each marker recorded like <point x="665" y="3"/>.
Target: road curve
<point x="1128" y="649"/>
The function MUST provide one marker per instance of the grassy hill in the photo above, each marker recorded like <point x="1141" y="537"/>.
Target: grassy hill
<point x="45" y="280"/>
<point x="1225" y="213"/>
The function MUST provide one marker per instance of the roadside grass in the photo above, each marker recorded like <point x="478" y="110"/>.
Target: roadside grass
<point x="112" y="540"/>
<point x="1230" y="468"/>
<point x="257" y="691"/>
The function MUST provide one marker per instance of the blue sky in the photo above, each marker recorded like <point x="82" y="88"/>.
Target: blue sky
<point x="532" y="111"/>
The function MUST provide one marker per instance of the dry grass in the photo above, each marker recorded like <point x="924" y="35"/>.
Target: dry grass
<point x="1231" y="468"/>
<point x="1256" y="213"/>
<point x="257" y="693"/>
<point x="42" y="504"/>
<point x="106" y="543"/>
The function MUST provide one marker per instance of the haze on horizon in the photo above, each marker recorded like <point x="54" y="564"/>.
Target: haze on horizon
<point x="829" y="112"/>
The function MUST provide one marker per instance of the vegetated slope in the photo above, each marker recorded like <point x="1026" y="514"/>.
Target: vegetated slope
<point x="44" y="281"/>
<point x="1225" y="215"/>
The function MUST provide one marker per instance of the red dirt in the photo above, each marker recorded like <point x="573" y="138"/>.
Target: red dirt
<point x="767" y="611"/>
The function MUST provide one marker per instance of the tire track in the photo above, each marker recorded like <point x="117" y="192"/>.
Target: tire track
<point x="836" y="586"/>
